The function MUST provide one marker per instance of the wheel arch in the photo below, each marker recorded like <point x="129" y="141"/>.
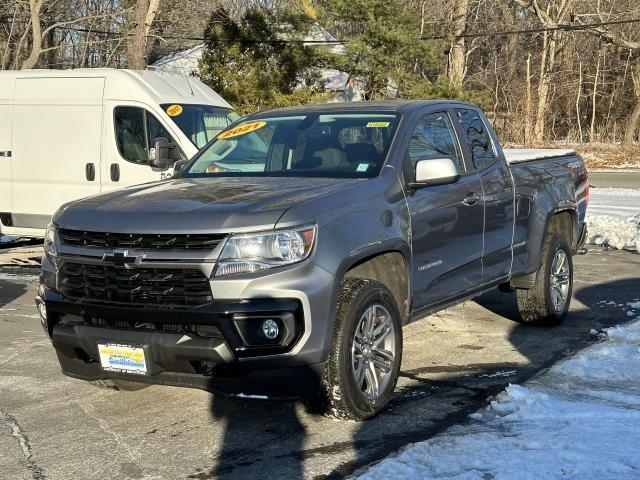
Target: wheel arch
<point x="390" y="266"/>
<point x="561" y="220"/>
<point x="565" y="223"/>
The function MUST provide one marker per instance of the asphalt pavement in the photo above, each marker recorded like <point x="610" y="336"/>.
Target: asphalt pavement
<point x="55" y="427"/>
<point x="614" y="179"/>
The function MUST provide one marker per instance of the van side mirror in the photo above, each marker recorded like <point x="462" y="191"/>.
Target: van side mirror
<point x="160" y="153"/>
<point x="435" y="171"/>
<point x="178" y="166"/>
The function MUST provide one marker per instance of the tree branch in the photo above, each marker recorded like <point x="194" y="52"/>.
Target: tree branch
<point x="76" y="20"/>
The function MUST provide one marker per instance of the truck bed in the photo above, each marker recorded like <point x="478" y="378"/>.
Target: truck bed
<point x="522" y="155"/>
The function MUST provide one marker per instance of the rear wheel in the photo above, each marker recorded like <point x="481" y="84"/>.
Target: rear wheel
<point x="548" y="301"/>
<point x="366" y="352"/>
<point x="119" y="385"/>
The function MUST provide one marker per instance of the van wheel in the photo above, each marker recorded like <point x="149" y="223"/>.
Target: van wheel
<point x="119" y="385"/>
<point x="366" y="352"/>
<point x="548" y="301"/>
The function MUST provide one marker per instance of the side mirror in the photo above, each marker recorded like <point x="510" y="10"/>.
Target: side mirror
<point x="178" y="166"/>
<point x="435" y="171"/>
<point x="159" y="153"/>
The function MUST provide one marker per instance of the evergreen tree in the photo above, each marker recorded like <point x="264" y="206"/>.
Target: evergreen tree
<point x="259" y="61"/>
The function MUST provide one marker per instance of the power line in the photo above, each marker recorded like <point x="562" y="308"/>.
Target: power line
<point x="202" y="39"/>
<point x="564" y="27"/>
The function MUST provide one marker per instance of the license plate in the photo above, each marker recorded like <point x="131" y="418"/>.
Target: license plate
<point x="117" y="357"/>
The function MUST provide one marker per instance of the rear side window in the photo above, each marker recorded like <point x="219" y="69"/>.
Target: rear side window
<point x="434" y="137"/>
<point x="479" y="140"/>
<point x="136" y="129"/>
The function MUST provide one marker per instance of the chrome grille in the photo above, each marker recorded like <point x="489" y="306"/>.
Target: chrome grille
<point x="199" y="241"/>
<point x="158" y="286"/>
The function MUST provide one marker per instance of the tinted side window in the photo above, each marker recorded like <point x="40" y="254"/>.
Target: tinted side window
<point x="130" y="134"/>
<point x="434" y="137"/>
<point x="479" y="141"/>
<point x="156" y="130"/>
<point x="136" y="129"/>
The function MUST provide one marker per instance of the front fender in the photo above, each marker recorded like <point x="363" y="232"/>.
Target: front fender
<point x="356" y="223"/>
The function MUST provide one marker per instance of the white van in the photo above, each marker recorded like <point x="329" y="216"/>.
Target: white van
<point x="67" y="134"/>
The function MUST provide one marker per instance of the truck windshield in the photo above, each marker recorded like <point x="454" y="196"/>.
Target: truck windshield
<point x="317" y="144"/>
<point x="200" y="123"/>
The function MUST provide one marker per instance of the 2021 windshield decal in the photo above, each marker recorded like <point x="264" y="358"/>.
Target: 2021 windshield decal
<point x="242" y="129"/>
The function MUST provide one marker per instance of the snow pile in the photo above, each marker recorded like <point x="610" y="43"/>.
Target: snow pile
<point x="613" y="218"/>
<point x="581" y="419"/>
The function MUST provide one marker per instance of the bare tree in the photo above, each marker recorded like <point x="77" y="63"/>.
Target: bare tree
<point x="457" y="58"/>
<point x="551" y="15"/>
<point x="143" y="17"/>
<point x="43" y="27"/>
<point x="622" y="41"/>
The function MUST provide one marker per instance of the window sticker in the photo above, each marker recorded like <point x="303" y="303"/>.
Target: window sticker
<point x="174" y="110"/>
<point x="378" y="124"/>
<point x="362" y="167"/>
<point x="241" y="130"/>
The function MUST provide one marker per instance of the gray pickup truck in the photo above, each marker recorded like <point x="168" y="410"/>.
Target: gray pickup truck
<point x="284" y="259"/>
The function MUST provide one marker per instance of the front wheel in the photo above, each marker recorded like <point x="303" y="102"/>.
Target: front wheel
<point x="548" y="301"/>
<point x="366" y="352"/>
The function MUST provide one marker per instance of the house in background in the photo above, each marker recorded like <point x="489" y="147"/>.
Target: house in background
<point x="338" y="84"/>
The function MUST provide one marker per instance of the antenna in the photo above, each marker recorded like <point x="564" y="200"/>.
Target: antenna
<point x="189" y="83"/>
<point x="186" y="54"/>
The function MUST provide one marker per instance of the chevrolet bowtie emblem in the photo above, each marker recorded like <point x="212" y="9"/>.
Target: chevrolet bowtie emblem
<point x="119" y="257"/>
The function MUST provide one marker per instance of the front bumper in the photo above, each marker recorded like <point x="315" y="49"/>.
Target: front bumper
<point x="196" y="347"/>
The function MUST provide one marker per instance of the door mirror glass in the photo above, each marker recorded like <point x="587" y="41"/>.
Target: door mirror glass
<point x="159" y="153"/>
<point x="435" y="171"/>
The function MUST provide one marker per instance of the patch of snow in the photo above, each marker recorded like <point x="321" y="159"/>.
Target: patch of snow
<point x="613" y="218"/>
<point x="17" y="277"/>
<point x="581" y="419"/>
<point x="255" y="397"/>
<point x="635" y="305"/>
<point x="508" y="373"/>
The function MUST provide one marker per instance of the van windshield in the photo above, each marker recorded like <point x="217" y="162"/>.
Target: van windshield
<point x="326" y="144"/>
<point x="200" y="123"/>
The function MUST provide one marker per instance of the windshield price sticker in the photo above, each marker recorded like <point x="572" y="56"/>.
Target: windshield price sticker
<point x="241" y="130"/>
<point x="174" y="110"/>
<point x="377" y="124"/>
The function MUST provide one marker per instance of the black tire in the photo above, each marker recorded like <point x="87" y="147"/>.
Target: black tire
<point x="537" y="304"/>
<point x="118" y="384"/>
<point x="340" y="396"/>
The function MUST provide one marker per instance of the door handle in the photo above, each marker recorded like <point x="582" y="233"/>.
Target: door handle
<point x="5" y="153"/>
<point x="114" y="171"/>
<point x="472" y="199"/>
<point x="90" y="171"/>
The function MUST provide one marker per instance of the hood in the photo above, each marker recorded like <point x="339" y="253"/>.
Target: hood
<point x="195" y="205"/>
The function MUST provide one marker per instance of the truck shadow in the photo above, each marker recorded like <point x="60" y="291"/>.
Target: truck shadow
<point x="271" y="439"/>
<point x="9" y="291"/>
<point x="276" y="426"/>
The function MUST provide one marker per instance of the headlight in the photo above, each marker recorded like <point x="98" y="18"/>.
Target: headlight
<point x="259" y="251"/>
<point x="50" y="249"/>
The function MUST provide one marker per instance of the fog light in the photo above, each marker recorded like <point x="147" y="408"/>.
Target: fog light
<point x="270" y="329"/>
